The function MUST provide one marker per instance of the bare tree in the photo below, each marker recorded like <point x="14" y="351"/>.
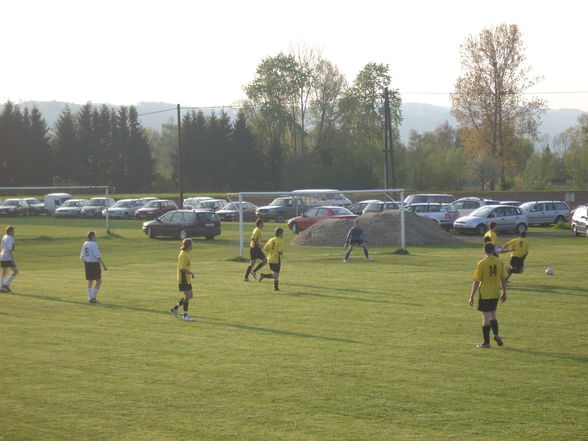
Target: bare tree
<point x="489" y="99"/>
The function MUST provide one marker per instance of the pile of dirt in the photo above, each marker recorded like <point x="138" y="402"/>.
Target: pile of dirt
<point x="382" y="229"/>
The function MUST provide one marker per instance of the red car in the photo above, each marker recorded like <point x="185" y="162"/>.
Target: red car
<point x="316" y="214"/>
<point x="156" y="208"/>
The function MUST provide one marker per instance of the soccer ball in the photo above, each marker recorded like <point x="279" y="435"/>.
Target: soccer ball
<point x="549" y="272"/>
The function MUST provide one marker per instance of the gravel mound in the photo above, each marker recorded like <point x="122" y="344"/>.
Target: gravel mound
<point x="382" y="229"/>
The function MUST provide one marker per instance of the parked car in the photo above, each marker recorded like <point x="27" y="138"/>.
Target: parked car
<point x="230" y="212"/>
<point x="183" y="224"/>
<point x="36" y="207"/>
<point x="95" y="206"/>
<point x="466" y="205"/>
<point x="155" y="208"/>
<point x="53" y="201"/>
<point x="513" y="203"/>
<point x="281" y="209"/>
<point x="377" y="207"/>
<point x="14" y="207"/>
<point x="429" y="197"/>
<point x="71" y="208"/>
<point x="123" y="209"/>
<point x="443" y="214"/>
<point x="193" y="202"/>
<point x="546" y="212"/>
<point x="507" y="218"/>
<point x="211" y="205"/>
<point x="580" y="221"/>
<point x="316" y="214"/>
<point x="358" y="207"/>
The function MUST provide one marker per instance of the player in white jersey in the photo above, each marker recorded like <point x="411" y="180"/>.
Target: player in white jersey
<point x="7" y="260"/>
<point x="92" y="260"/>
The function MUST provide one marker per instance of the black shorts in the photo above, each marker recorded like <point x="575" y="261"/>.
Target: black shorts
<point x="184" y="285"/>
<point x="256" y="253"/>
<point x="487" y="305"/>
<point x="275" y="267"/>
<point x="7" y="264"/>
<point x="93" y="271"/>
<point x="356" y="242"/>
<point x="517" y="264"/>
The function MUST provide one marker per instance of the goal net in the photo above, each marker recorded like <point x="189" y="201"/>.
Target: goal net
<point x="278" y="207"/>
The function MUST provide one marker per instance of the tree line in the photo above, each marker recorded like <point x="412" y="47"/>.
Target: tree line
<point x="303" y="125"/>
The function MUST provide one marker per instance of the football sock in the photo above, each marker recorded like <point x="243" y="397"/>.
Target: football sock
<point x="186" y="304"/>
<point x="180" y="303"/>
<point x="10" y="279"/>
<point x="365" y="252"/>
<point x="347" y="255"/>
<point x="1" y="282"/>
<point x="494" y="325"/>
<point x="248" y="271"/>
<point x="486" y="333"/>
<point x="89" y="293"/>
<point x="94" y="293"/>
<point x="268" y="276"/>
<point x="276" y="284"/>
<point x="259" y="266"/>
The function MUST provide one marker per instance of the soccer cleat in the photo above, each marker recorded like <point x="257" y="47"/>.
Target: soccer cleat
<point x="253" y="274"/>
<point x="344" y="260"/>
<point x="483" y="345"/>
<point x="245" y="279"/>
<point x="498" y="340"/>
<point x="174" y="312"/>
<point x="3" y="290"/>
<point x="369" y="259"/>
<point x="276" y="289"/>
<point x="93" y="301"/>
<point x="6" y="288"/>
<point x="187" y="318"/>
<point x="261" y="277"/>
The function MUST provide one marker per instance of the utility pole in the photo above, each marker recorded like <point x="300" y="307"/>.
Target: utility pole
<point x="388" y="138"/>
<point x="180" y="174"/>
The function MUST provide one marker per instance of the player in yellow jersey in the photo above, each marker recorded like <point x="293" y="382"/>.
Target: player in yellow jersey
<point x="185" y="276"/>
<point x="255" y="251"/>
<point x="519" y="249"/>
<point x="489" y="279"/>
<point x="275" y="250"/>
<point x="492" y="237"/>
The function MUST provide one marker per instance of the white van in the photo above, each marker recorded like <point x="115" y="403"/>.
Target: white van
<point x="323" y="197"/>
<point x="53" y="201"/>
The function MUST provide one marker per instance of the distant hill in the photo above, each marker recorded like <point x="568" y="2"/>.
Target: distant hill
<point x="417" y="116"/>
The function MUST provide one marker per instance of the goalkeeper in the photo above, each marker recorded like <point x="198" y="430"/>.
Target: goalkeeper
<point x="356" y="236"/>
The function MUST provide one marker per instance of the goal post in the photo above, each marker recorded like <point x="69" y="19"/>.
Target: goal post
<point x="352" y="196"/>
<point x="54" y="189"/>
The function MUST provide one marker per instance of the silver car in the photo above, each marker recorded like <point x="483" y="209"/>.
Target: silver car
<point x="546" y="212"/>
<point x="507" y="218"/>
<point x="443" y="214"/>
<point x="124" y="209"/>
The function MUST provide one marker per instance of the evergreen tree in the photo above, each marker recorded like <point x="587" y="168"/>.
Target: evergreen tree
<point x="139" y="160"/>
<point x="65" y="149"/>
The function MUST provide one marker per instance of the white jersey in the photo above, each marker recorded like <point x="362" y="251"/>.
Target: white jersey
<point x="7" y="247"/>
<point x="90" y="251"/>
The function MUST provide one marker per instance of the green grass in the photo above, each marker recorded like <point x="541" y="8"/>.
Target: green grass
<point x="359" y="351"/>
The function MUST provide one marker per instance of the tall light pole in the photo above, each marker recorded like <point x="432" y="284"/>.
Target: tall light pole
<point x="180" y="172"/>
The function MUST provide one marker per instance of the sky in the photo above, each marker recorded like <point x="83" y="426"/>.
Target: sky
<point x="202" y="53"/>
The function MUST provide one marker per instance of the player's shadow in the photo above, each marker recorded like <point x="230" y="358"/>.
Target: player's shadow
<point x="199" y="319"/>
<point x="580" y="358"/>
<point x="552" y="289"/>
<point x="350" y="290"/>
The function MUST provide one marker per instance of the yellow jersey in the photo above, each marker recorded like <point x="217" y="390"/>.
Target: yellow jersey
<point x="489" y="272"/>
<point x="274" y="247"/>
<point x="520" y="247"/>
<point x="256" y="235"/>
<point x="184" y="263"/>
<point x="493" y="236"/>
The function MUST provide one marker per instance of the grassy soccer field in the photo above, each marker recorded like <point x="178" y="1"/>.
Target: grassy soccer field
<point x="383" y="350"/>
